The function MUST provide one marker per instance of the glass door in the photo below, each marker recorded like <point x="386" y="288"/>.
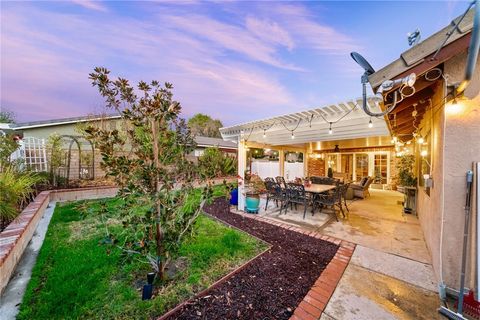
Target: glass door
<point x="361" y="166"/>
<point x="380" y="168"/>
<point x="347" y="166"/>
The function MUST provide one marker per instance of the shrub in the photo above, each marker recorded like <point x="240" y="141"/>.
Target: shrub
<point x="405" y="166"/>
<point x="214" y="163"/>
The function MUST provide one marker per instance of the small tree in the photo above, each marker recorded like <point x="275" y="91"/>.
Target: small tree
<point x="158" y="175"/>
<point x="405" y="167"/>
<point x="56" y="157"/>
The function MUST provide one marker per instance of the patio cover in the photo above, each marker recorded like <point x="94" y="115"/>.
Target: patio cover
<point x="311" y="125"/>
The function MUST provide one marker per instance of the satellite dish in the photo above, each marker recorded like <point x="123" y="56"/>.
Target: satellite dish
<point x="362" y="62"/>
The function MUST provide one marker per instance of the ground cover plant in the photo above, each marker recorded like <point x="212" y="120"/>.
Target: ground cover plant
<point x="271" y="286"/>
<point x="81" y="273"/>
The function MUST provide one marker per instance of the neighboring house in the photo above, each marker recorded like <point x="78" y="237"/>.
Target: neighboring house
<point x="36" y="134"/>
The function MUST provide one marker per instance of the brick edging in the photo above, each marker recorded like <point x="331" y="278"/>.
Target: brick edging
<point x="313" y="304"/>
<point x="16" y="236"/>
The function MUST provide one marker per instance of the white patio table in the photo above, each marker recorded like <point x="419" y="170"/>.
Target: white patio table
<point x="319" y="188"/>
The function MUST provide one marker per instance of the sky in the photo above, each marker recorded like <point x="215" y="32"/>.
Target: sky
<point x="233" y="60"/>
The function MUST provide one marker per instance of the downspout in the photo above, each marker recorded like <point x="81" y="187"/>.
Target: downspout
<point x="472" y="50"/>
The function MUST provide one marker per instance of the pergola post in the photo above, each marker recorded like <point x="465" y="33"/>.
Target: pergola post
<point x="241" y="165"/>
<point x="281" y="161"/>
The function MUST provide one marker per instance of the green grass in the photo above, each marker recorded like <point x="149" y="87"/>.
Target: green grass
<point x="76" y="277"/>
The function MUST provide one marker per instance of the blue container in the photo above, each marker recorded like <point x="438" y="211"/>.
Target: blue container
<point x="234" y="197"/>
<point x="252" y="204"/>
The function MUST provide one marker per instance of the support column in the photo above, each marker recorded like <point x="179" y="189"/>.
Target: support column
<point x="241" y="165"/>
<point x="281" y="161"/>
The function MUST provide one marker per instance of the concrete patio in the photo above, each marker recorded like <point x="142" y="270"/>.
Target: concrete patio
<point x="390" y="275"/>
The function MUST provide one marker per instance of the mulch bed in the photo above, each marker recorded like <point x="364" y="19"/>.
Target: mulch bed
<point x="271" y="286"/>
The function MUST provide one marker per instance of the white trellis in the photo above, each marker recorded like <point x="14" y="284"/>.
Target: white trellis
<point x="34" y="153"/>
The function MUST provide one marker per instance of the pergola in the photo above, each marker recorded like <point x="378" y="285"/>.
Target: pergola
<point x="297" y="131"/>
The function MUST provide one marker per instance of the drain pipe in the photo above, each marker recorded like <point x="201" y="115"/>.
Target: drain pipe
<point x="472" y="50"/>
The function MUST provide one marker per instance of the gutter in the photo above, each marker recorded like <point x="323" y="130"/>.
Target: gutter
<point x="472" y="50"/>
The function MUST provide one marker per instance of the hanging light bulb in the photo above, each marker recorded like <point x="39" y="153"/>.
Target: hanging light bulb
<point x="420" y="140"/>
<point x="330" y="131"/>
<point x="264" y="134"/>
<point x="370" y="123"/>
<point x="293" y="136"/>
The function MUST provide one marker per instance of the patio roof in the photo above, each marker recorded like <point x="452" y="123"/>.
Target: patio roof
<point x="348" y="122"/>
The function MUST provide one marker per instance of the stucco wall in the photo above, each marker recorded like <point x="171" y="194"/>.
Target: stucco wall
<point x="462" y="147"/>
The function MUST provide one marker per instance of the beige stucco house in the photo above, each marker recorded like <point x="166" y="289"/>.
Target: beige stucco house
<point x="434" y="121"/>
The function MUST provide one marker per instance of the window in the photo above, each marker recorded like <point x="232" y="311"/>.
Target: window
<point x="361" y="163"/>
<point x="332" y="162"/>
<point x="380" y="168"/>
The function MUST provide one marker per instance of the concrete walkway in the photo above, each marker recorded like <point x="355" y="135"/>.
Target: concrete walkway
<point x="390" y="274"/>
<point x="13" y="294"/>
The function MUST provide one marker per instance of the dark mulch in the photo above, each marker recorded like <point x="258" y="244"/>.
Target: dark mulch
<point x="271" y="286"/>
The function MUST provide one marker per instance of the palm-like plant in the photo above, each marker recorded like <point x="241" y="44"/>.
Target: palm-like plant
<point x="15" y="188"/>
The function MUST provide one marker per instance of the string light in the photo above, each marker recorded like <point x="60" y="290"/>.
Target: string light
<point x="330" y="131"/>
<point x="293" y="136"/>
<point x="264" y="134"/>
<point x="420" y="140"/>
<point x="370" y="123"/>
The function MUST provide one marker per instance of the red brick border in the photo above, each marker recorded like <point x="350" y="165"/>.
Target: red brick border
<point x="16" y="236"/>
<point x="316" y="300"/>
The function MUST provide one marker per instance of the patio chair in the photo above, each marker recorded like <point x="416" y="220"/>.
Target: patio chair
<point x="296" y="195"/>
<point x="345" y="187"/>
<point x="281" y="181"/>
<point x="330" y="199"/>
<point x="360" y="189"/>
<point x="269" y="179"/>
<point x="323" y="180"/>
<point x="275" y="192"/>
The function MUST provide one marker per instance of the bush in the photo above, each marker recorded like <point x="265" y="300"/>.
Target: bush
<point x="406" y="176"/>
<point x="15" y="188"/>
<point x="214" y="163"/>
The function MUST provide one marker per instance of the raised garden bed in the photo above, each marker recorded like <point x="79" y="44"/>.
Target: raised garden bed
<point x="271" y="286"/>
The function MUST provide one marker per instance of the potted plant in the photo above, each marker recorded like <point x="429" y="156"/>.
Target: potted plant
<point x="254" y="187"/>
<point x="330" y="172"/>
<point x="407" y="182"/>
<point x="406" y="176"/>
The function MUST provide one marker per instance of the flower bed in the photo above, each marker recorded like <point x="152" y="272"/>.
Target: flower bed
<point x="270" y="287"/>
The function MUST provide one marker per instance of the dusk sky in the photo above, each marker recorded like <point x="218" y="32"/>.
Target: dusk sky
<point x="236" y="61"/>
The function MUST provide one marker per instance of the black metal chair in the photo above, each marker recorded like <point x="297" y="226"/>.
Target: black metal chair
<point x="296" y="195"/>
<point x="344" y="194"/>
<point x="269" y="179"/>
<point x="275" y="192"/>
<point x="330" y="199"/>
<point x="281" y="181"/>
<point x="324" y="180"/>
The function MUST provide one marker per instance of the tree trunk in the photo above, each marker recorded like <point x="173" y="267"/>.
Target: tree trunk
<point x="159" y="232"/>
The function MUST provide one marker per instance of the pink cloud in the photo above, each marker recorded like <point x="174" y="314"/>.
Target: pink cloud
<point x="91" y="4"/>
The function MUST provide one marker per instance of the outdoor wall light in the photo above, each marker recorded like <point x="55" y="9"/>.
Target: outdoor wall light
<point x="454" y="107"/>
<point x="370" y="124"/>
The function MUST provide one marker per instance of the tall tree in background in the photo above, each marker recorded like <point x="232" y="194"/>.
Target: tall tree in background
<point x="203" y="125"/>
<point x="7" y="116"/>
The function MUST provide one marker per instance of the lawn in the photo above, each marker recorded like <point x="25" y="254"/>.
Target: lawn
<point x="78" y="276"/>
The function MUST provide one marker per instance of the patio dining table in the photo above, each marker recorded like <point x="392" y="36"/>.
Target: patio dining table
<point x="319" y="188"/>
